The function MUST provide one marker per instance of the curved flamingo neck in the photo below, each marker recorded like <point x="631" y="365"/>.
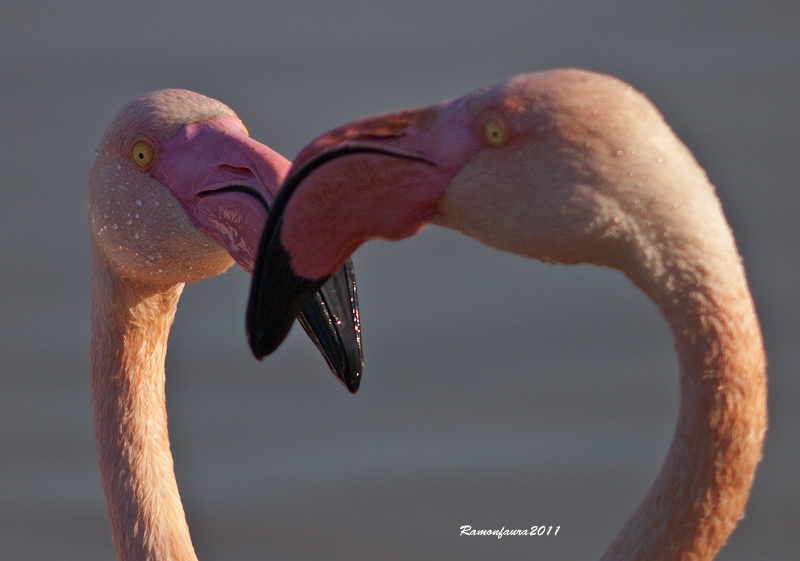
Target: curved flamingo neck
<point x="130" y="327"/>
<point x="703" y="486"/>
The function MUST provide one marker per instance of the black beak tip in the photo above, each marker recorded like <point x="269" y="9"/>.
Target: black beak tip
<point x="352" y="380"/>
<point x="263" y="342"/>
<point x="347" y="367"/>
<point x="326" y="308"/>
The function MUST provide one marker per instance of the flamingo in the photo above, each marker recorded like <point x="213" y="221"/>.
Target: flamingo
<point x="565" y="166"/>
<point x="177" y="193"/>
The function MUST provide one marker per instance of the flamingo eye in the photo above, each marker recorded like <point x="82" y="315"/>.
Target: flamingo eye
<point x="143" y="154"/>
<point x="495" y="132"/>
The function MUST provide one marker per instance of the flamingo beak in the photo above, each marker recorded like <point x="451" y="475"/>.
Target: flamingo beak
<point x="225" y="181"/>
<point x="406" y="160"/>
<point x="271" y="312"/>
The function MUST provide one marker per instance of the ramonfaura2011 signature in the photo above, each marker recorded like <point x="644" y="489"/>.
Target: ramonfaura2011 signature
<point x="503" y="532"/>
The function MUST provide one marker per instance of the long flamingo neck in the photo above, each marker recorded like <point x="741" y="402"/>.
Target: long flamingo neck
<point x="703" y="486"/>
<point x="130" y="327"/>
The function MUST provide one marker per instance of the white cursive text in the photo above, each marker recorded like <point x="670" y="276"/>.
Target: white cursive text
<point x="502" y="532"/>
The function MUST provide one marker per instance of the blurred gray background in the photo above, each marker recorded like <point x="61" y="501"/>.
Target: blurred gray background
<point x="498" y="391"/>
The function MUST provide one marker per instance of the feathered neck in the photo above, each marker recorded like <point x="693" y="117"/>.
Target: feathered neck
<point x="130" y="328"/>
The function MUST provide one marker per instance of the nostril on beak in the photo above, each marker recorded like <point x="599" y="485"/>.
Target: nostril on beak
<point x="238" y="171"/>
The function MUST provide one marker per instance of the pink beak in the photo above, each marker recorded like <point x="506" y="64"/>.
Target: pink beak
<point x="225" y="181"/>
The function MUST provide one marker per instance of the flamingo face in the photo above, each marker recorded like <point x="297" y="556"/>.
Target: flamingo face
<point x="178" y="196"/>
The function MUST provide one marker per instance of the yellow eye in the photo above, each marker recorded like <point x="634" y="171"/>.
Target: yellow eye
<point x="495" y="132"/>
<point x="143" y="154"/>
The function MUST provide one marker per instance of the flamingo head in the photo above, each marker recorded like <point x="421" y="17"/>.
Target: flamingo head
<point x="548" y="165"/>
<point x="179" y="192"/>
